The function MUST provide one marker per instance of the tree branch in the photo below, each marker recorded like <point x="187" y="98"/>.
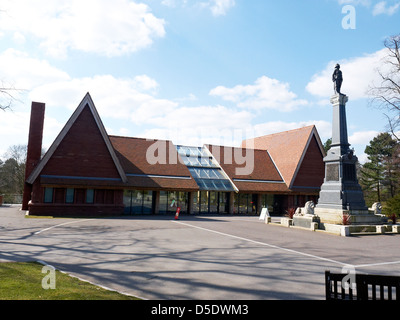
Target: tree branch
<point x="7" y="94"/>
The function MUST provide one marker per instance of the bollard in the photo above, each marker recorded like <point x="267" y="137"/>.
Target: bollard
<point x="177" y="213"/>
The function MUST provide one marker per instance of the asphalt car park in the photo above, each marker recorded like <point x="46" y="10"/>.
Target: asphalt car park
<point x="195" y="257"/>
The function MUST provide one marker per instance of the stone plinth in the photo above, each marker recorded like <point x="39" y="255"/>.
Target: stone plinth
<point x="357" y="217"/>
<point x="307" y="221"/>
<point x="286" y="222"/>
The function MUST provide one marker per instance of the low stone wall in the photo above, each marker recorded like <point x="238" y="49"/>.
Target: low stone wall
<point x="338" y="229"/>
<point x="359" y="229"/>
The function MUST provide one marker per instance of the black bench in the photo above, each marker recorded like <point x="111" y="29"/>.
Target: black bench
<point x="367" y="287"/>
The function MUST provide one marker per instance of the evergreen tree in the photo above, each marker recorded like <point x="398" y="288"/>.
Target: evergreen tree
<point x="379" y="176"/>
<point x="327" y="145"/>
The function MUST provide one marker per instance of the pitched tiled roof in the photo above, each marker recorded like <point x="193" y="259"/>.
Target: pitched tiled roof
<point x="86" y="107"/>
<point x="287" y="149"/>
<point x="250" y="170"/>
<point x="138" y="156"/>
<point x="271" y="165"/>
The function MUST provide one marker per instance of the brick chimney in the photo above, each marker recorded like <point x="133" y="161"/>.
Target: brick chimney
<point x="34" y="147"/>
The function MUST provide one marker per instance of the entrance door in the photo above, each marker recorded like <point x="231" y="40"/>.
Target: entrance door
<point x="253" y="204"/>
<point x="223" y="203"/>
<point x="213" y="201"/>
<point x="280" y="204"/>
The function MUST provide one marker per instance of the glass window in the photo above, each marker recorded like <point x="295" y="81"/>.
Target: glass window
<point x="147" y="202"/>
<point x="204" y="202"/>
<point x="48" y="195"/>
<point x="243" y="197"/>
<point x="227" y="185"/>
<point x="235" y="203"/>
<point x="183" y="198"/>
<point x="69" y="195"/>
<point x="127" y="201"/>
<point x="267" y="201"/>
<point x="223" y="202"/>
<point x="205" y="172"/>
<point x="137" y="202"/>
<point x="213" y="202"/>
<point x="89" y="196"/>
<point x="163" y="202"/>
<point x="172" y="202"/>
<point x="206" y="162"/>
<point x="193" y="161"/>
<point x="245" y="203"/>
<point x="196" y="202"/>
<point x="208" y="184"/>
<point x="194" y="172"/>
<point x="252" y="203"/>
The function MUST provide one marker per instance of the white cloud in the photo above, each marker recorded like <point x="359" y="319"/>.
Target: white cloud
<point x="110" y="28"/>
<point x="173" y="3"/>
<point x="358" y="74"/>
<point x="382" y="8"/>
<point x="355" y="2"/>
<point x="362" y="137"/>
<point x="134" y="99"/>
<point x="131" y="99"/>
<point x="220" y="7"/>
<point x="122" y="99"/>
<point x="265" y="93"/>
<point x="25" y="72"/>
<point x="217" y="7"/>
<point x="144" y="82"/>
<point x="168" y="3"/>
<point x="14" y="128"/>
<point x="115" y="98"/>
<point x="202" y="124"/>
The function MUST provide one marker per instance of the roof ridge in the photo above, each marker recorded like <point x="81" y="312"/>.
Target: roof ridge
<point x="284" y="132"/>
<point x="137" y="138"/>
<point x="255" y="149"/>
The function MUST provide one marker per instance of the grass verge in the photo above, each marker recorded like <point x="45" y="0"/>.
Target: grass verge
<point x="23" y="281"/>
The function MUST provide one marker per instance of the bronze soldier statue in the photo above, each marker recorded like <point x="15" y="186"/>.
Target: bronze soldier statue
<point x="337" y="78"/>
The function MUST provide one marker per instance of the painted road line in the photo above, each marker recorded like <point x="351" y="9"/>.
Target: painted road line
<point x="264" y="244"/>
<point x="61" y="224"/>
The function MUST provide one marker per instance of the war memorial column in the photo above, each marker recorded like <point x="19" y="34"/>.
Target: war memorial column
<point x="341" y="194"/>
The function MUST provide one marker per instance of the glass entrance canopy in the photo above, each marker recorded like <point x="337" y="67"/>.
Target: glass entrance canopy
<point x="205" y="171"/>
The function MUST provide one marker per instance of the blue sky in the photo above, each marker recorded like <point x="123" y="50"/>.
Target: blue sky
<point x="195" y="72"/>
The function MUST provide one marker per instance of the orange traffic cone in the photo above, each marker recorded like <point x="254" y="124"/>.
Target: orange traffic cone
<point x="177" y="213"/>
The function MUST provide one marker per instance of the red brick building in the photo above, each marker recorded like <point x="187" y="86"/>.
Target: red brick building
<point x="87" y="172"/>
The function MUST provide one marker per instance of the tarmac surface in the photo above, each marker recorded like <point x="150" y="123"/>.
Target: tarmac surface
<point x="194" y="258"/>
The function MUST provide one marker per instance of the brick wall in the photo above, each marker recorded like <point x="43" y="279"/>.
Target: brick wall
<point x="82" y="152"/>
<point x="312" y="169"/>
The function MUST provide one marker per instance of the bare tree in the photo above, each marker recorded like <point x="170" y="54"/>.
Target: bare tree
<point x="7" y="96"/>
<point x="12" y="170"/>
<point x="386" y="95"/>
